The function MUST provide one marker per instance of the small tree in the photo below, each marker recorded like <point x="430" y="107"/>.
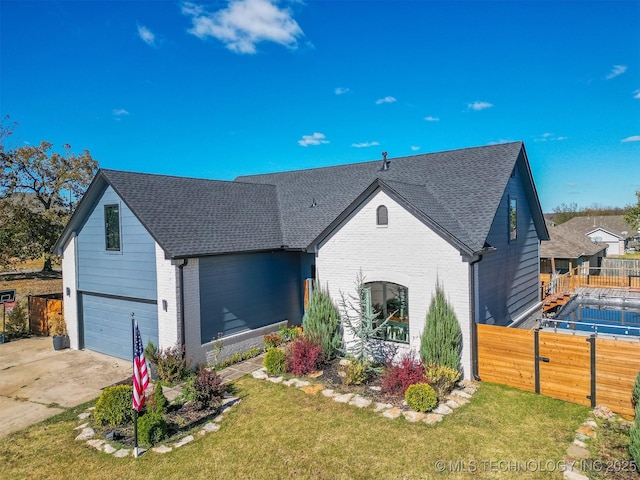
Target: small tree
<point x="441" y="339"/>
<point x="321" y="323"/>
<point x="357" y="319"/>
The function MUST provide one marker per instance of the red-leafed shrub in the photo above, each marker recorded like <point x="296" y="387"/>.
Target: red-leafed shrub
<point x="397" y="378"/>
<point x="303" y="356"/>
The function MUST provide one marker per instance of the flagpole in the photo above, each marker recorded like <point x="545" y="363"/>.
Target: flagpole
<point x="135" y="412"/>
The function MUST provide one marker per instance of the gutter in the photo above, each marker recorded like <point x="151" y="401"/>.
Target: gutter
<point x="472" y="313"/>
<point x="181" y="285"/>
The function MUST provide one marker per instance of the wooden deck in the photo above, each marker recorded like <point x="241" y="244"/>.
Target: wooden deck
<point x="592" y="281"/>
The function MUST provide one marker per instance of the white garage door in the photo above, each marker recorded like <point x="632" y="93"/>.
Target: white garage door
<point x="107" y="324"/>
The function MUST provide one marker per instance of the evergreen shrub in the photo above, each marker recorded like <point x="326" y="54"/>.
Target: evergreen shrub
<point x="321" y="323"/>
<point x="114" y="407"/>
<point x="274" y="361"/>
<point x="152" y="428"/>
<point x="421" y="397"/>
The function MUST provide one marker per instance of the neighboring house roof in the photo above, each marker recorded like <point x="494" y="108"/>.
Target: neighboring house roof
<point x="465" y="185"/>
<point x="457" y="192"/>
<point x="565" y="242"/>
<point x="614" y="224"/>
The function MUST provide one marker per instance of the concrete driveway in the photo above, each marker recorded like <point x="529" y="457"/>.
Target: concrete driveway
<point x="37" y="382"/>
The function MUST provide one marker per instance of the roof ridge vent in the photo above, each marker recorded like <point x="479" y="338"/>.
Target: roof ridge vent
<point x="385" y="162"/>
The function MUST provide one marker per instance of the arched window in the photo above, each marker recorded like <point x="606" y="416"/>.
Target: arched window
<point x="388" y="300"/>
<point x="382" y="215"/>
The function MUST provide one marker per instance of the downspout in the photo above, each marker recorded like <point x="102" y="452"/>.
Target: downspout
<point x="181" y="284"/>
<point x="472" y="312"/>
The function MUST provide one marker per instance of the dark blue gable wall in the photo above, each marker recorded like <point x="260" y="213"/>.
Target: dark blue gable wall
<point x="508" y="279"/>
<point x="247" y="291"/>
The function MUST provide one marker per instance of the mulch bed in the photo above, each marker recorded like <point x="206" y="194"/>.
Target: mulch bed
<point x="331" y="378"/>
<point x="180" y="419"/>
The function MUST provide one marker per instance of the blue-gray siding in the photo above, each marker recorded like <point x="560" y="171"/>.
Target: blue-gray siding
<point x="131" y="272"/>
<point x="247" y="291"/>
<point x="107" y="324"/>
<point x="508" y="279"/>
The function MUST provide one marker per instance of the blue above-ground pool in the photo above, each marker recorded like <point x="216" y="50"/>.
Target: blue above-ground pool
<point x="599" y="314"/>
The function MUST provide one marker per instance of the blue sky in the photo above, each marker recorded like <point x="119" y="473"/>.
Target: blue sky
<point x="222" y="89"/>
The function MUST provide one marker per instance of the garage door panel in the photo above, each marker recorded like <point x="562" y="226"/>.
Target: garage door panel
<point x="107" y="324"/>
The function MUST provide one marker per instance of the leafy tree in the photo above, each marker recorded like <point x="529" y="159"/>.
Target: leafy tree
<point x="321" y="323"/>
<point x="441" y="340"/>
<point x="39" y="188"/>
<point x="565" y="212"/>
<point x="632" y="214"/>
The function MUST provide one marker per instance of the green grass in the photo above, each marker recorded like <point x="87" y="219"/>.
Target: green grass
<point x="281" y="432"/>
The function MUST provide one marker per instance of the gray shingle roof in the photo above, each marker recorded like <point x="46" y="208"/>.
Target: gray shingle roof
<point x="195" y="217"/>
<point x="611" y="223"/>
<point x="457" y="192"/>
<point x="463" y="189"/>
<point x="566" y="242"/>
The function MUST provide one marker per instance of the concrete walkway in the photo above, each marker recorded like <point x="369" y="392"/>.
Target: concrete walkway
<point x="37" y="382"/>
<point x="241" y="369"/>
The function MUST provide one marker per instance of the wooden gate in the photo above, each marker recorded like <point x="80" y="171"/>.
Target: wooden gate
<point x="586" y="370"/>
<point x="40" y="307"/>
<point x="564" y="367"/>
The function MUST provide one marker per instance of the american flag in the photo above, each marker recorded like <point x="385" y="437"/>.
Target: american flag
<point x="140" y="374"/>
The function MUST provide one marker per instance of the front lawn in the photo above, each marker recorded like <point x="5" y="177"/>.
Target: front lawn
<point x="280" y="432"/>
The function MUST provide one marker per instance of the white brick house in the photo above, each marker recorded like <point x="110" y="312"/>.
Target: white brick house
<point x="196" y="260"/>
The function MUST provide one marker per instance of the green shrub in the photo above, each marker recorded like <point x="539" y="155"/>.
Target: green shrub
<point x="357" y="372"/>
<point x="151" y="353"/>
<point x="172" y="365"/>
<point x="635" y="393"/>
<point x="152" y="428"/>
<point x="441" y="378"/>
<point x="321" y="323"/>
<point x="441" y="340"/>
<point x="421" y="397"/>
<point x="158" y="402"/>
<point x="17" y="325"/>
<point x="115" y="407"/>
<point x="289" y="334"/>
<point x="205" y="389"/>
<point x="634" y="438"/>
<point x="274" y="361"/>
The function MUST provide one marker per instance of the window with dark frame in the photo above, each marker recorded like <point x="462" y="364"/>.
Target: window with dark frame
<point x="513" y="219"/>
<point x="112" y="227"/>
<point x="382" y="216"/>
<point x="389" y="299"/>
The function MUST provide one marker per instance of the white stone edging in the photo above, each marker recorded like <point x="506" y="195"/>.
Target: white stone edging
<point x="458" y="397"/>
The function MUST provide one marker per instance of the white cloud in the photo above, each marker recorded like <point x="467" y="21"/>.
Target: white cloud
<point x="315" y="139"/>
<point x="572" y="184"/>
<point x="477" y="106"/>
<point x="119" y="112"/>
<point x="341" y="90"/>
<point x="364" y="144"/>
<point x="146" y="35"/>
<point x="501" y="141"/>
<point x="633" y="138"/>
<point x="549" y="137"/>
<point x="415" y="148"/>
<point x="385" y="100"/>
<point x="244" y="23"/>
<point x="616" y="70"/>
<point x="432" y="119"/>
<point x="637" y="94"/>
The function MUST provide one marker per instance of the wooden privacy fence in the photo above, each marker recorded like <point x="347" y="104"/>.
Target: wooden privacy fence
<point x="584" y="276"/>
<point x="40" y="306"/>
<point x="587" y="370"/>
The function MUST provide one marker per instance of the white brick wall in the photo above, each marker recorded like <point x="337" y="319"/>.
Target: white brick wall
<point x="405" y="252"/>
<point x="69" y="275"/>
<point x="167" y="284"/>
<point x="191" y="279"/>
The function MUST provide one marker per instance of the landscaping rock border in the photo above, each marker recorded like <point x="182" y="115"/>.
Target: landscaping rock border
<point x="87" y="433"/>
<point x="458" y="397"/>
<point x="578" y="450"/>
